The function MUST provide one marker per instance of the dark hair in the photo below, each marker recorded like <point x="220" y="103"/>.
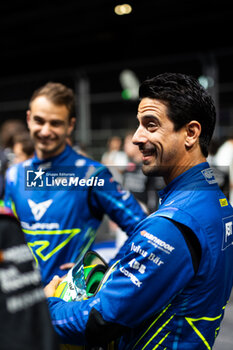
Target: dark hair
<point x="58" y="94"/>
<point x="186" y="100"/>
<point x="27" y="143"/>
<point x="9" y="129"/>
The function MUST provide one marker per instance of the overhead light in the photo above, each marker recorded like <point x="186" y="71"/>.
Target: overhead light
<point x="123" y="9"/>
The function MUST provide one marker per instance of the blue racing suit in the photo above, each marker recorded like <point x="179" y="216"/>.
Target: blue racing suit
<point x="60" y="222"/>
<point x="170" y="289"/>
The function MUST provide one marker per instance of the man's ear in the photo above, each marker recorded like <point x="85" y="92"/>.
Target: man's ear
<point x="28" y="116"/>
<point x="71" y="125"/>
<point x="193" y="131"/>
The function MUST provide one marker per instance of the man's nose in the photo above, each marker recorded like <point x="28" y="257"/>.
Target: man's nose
<point x="45" y="129"/>
<point x="139" y="136"/>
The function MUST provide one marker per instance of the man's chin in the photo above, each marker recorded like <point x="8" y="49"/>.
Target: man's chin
<point x="45" y="150"/>
<point x="46" y="145"/>
<point x="150" y="170"/>
<point x="49" y="150"/>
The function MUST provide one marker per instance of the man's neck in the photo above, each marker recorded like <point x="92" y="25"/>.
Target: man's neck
<point x="182" y="167"/>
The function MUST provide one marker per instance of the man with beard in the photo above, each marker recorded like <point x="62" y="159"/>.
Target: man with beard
<point x="56" y="194"/>
<point x="171" y="285"/>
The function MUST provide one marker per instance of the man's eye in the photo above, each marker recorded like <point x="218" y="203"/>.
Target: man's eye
<point x="151" y="126"/>
<point x="56" y="123"/>
<point x="38" y="120"/>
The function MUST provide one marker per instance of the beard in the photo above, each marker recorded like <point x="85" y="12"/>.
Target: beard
<point x="161" y="161"/>
<point x="48" y="147"/>
<point x="152" y="170"/>
<point x="149" y="169"/>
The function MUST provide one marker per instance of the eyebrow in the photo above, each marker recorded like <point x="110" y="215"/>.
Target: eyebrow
<point x="36" y="116"/>
<point x="41" y="118"/>
<point x="149" y="116"/>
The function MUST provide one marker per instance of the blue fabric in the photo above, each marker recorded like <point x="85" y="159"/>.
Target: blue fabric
<point x="153" y="289"/>
<point x="60" y="224"/>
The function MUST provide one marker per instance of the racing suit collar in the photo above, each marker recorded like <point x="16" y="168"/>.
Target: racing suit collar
<point x="183" y="181"/>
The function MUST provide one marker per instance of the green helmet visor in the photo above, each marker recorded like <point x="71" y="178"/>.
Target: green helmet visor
<point x="87" y="274"/>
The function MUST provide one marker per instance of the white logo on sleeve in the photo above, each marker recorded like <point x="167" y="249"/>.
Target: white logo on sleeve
<point x="39" y="209"/>
<point x="228" y="232"/>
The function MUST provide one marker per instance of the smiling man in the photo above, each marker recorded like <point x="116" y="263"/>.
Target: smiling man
<point x="170" y="146"/>
<point x="49" y="124"/>
<point x="170" y="287"/>
<point x="60" y="222"/>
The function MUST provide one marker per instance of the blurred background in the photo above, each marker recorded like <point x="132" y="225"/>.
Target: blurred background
<point x="103" y="49"/>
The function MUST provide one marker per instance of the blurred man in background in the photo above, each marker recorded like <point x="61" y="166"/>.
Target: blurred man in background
<point x="60" y="222"/>
<point x="23" y="147"/>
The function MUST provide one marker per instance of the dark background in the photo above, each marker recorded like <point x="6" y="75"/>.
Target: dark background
<point x="85" y="45"/>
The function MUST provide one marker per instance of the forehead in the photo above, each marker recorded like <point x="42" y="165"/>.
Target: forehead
<point x="149" y="106"/>
<point x="43" y="107"/>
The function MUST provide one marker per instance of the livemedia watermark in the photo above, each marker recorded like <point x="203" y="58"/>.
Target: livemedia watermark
<point x="60" y="179"/>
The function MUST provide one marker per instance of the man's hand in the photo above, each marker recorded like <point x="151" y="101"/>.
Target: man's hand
<point x="52" y="286"/>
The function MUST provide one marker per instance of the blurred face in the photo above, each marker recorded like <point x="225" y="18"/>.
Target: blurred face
<point x="132" y="150"/>
<point x="115" y="144"/>
<point x="162" y="148"/>
<point x="19" y="155"/>
<point x="49" y="127"/>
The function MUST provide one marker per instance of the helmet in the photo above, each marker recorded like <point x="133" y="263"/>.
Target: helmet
<point x="84" y="279"/>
